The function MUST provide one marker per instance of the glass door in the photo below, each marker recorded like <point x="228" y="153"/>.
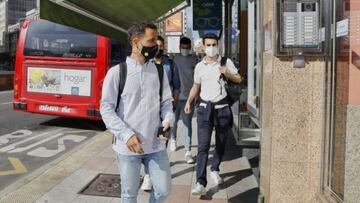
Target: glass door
<point x="340" y="62"/>
<point x="254" y="58"/>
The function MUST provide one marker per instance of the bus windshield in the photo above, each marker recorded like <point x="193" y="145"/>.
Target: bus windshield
<point x="54" y="40"/>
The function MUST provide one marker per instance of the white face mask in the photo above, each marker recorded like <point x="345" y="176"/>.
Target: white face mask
<point x="184" y="52"/>
<point x="211" y="51"/>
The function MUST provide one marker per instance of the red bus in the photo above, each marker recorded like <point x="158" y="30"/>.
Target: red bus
<point x="59" y="70"/>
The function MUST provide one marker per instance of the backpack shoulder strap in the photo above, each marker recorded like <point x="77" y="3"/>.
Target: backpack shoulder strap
<point x="122" y="80"/>
<point x="160" y="70"/>
<point x="171" y="61"/>
<point x="223" y="61"/>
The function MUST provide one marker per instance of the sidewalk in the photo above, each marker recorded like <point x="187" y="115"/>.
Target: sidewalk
<point x="62" y="182"/>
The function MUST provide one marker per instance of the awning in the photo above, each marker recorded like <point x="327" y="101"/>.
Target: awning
<point x="110" y="18"/>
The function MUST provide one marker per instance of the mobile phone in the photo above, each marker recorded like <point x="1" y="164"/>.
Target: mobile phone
<point x="165" y="133"/>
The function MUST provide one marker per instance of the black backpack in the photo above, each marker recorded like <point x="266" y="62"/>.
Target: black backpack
<point x="123" y="73"/>
<point x="233" y="89"/>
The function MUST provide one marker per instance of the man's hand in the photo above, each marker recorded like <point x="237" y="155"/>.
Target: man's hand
<point x="175" y="102"/>
<point x="134" y="144"/>
<point x="187" y="108"/>
<point x="224" y="70"/>
<point x="166" y="126"/>
<point x="234" y="78"/>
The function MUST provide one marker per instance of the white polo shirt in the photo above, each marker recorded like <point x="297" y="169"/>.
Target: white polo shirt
<point x="207" y="75"/>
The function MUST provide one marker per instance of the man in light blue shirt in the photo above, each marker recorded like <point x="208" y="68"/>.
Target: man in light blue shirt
<point x="136" y="124"/>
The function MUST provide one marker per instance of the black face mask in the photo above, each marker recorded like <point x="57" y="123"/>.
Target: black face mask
<point x="159" y="53"/>
<point x="149" y="52"/>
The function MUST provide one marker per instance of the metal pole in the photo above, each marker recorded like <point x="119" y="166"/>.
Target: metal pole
<point x="227" y="26"/>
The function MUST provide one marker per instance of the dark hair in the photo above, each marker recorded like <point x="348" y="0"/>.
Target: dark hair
<point x="185" y="40"/>
<point x="210" y="36"/>
<point x="137" y="29"/>
<point x="160" y="38"/>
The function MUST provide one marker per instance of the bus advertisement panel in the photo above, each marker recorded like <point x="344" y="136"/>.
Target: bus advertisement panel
<point x="59" y="81"/>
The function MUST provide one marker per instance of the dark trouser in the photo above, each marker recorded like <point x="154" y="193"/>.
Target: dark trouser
<point x="221" y="119"/>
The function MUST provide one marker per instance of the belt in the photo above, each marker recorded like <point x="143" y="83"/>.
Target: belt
<point x="221" y="102"/>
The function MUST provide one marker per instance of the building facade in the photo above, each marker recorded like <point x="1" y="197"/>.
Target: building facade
<point x="11" y="11"/>
<point x="3" y="24"/>
<point x="309" y="105"/>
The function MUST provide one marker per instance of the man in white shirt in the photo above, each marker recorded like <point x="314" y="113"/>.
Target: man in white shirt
<point x="135" y="125"/>
<point x="213" y="111"/>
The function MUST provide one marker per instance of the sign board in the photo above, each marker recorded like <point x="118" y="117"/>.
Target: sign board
<point x="342" y="28"/>
<point x="174" y="24"/>
<point x="207" y="14"/>
<point x="59" y="81"/>
<point x="173" y="44"/>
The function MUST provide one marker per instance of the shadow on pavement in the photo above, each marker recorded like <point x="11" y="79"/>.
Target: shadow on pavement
<point x="76" y="123"/>
<point x="232" y="152"/>
<point x="249" y="196"/>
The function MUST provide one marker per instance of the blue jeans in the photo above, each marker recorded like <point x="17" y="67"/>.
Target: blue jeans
<point x="186" y="119"/>
<point x="160" y="176"/>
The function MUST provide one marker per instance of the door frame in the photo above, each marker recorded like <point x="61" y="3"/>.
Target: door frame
<point x="255" y="45"/>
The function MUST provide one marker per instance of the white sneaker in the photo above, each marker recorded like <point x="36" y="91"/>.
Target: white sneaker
<point x="198" y="190"/>
<point x="146" y="185"/>
<point x="172" y="144"/>
<point x="188" y="157"/>
<point x="214" y="175"/>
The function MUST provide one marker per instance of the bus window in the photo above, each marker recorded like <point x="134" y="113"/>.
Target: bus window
<point x="54" y="40"/>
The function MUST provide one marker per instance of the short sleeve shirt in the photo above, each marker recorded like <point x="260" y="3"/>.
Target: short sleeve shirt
<point x="207" y="75"/>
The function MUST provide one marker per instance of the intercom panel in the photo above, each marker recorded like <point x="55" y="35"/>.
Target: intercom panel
<point x="298" y="27"/>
